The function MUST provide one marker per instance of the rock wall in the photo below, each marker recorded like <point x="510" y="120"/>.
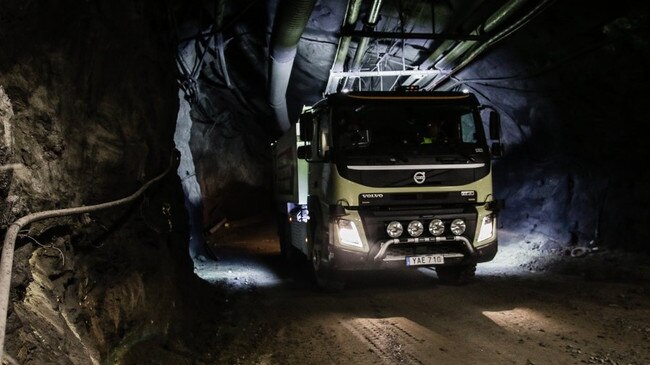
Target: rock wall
<point x="571" y="88"/>
<point x="88" y="104"/>
<point x="228" y="125"/>
<point x="231" y="124"/>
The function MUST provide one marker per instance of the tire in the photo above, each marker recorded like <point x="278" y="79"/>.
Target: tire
<point x="326" y="278"/>
<point x="456" y="275"/>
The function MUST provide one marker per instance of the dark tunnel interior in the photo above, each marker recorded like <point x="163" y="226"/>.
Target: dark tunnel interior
<point x="97" y="97"/>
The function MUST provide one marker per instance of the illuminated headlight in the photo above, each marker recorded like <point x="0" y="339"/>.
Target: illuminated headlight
<point x="394" y="229"/>
<point x="458" y="227"/>
<point x="415" y="228"/>
<point x="436" y="227"/>
<point x="348" y="233"/>
<point x="487" y="227"/>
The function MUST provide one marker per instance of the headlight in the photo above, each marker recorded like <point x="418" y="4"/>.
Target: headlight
<point x="458" y="227"/>
<point x="436" y="227"/>
<point x="487" y="227"/>
<point x="348" y="233"/>
<point x="394" y="229"/>
<point x="415" y="228"/>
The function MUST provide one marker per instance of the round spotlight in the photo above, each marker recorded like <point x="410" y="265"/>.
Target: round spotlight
<point x="415" y="228"/>
<point x="436" y="227"/>
<point x="458" y="226"/>
<point x="394" y="229"/>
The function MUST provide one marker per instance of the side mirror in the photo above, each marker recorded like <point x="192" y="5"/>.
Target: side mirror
<point x="495" y="125"/>
<point x="306" y="127"/>
<point x="496" y="149"/>
<point x="303" y="152"/>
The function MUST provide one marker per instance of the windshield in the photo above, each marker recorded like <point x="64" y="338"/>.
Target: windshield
<point x="405" y="129"/>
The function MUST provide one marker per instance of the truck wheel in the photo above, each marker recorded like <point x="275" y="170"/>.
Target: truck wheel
<point x="326" y="278"/>
<point x="456" y="275"/>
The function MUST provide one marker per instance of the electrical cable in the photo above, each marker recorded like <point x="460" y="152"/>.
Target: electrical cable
<point x="45" y="246"/>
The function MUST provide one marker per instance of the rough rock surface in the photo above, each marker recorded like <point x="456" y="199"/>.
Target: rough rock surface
<point x="571" y="119"/>
<point x="88" y="104"/>
<point x="228" y="126"/>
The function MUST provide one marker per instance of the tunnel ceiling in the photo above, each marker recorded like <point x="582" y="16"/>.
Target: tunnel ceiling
<point x="355" y="45"/>
<point x="424" y="43"/>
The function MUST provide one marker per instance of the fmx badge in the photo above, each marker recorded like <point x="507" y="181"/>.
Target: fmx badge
<point x="467" y="193"/>
<point x="419" y="177"/>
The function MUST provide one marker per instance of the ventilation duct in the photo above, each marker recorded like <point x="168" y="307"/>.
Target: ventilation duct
<point x="290" y="20"/>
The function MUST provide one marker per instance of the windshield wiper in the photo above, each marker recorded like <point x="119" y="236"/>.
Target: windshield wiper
<point x="374" y="155"/>
<point x="399" y="156"/>
<point x="459" y="151"/>
<point x="389" y="157"/>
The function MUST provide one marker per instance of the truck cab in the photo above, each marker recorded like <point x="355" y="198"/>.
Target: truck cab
<point x="381" y="180"/>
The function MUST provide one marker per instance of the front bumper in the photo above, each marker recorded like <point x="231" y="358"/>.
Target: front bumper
<point x="392" y="254"/>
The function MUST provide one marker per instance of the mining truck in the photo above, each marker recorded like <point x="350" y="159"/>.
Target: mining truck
<point x="374" y="180"/>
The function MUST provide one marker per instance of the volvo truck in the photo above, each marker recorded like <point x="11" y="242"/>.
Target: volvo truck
<point x="386" y="180"/>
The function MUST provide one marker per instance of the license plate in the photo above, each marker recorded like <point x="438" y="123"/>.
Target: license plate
<point x="425" y="260"/>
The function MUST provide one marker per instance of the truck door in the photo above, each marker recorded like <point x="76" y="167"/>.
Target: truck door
<point x="320" y="167"/>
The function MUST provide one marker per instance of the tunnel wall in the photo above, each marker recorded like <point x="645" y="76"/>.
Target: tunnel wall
<point x="231" y="122"/>
<point x="571" y="87"/>
<point x="88" y="97"/>
<point x="228" y="122"/>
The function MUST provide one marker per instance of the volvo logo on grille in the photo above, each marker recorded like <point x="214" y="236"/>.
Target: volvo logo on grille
<point x="419" y="177"/>
<point x="372" y="196"/>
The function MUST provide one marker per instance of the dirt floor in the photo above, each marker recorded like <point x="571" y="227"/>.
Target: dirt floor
<point x="511" y="314"/>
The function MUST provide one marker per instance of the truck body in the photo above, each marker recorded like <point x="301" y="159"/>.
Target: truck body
<point x="370" y="180"/>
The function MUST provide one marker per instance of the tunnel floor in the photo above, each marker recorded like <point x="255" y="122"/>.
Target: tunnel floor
<point x="275" y="315"/>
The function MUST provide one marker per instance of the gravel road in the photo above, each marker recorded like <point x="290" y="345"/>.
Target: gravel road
<point x="508" y="315"/>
